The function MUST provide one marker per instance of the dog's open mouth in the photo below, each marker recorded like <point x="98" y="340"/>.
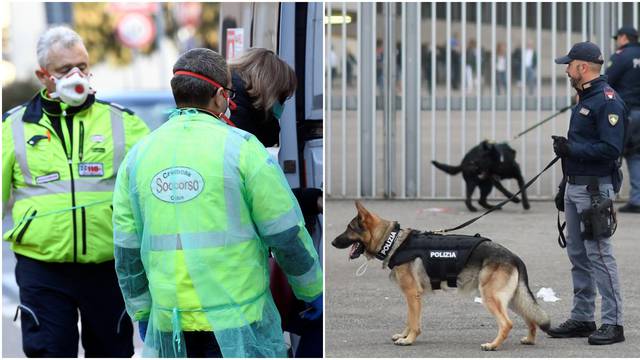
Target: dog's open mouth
<point x="356" y="250"/>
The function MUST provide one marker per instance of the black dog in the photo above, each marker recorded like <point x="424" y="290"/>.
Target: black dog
<point x="484" y="166"/>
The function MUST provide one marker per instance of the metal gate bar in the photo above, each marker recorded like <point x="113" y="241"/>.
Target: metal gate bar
<point x="372" y="152"/>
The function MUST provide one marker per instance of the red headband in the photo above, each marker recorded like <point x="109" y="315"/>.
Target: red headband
<point x="232" y="105"/>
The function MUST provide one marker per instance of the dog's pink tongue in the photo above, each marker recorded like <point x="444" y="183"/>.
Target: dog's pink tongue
<point x="353" y="249"/>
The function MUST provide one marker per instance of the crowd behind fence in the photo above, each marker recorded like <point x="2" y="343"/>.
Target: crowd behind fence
<point x="406" y="83"/>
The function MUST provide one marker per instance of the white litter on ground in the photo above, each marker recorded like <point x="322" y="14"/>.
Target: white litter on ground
<point x="478" y="300"/>
<point x="437" y="210"/>
<point x="547" y="295"/>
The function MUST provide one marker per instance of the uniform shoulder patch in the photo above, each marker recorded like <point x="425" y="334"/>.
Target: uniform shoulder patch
<point x="613" y="119"/>
<point x="117" y="106"/>
<point x="609" y="93"/>
<point x="11" y="112"/>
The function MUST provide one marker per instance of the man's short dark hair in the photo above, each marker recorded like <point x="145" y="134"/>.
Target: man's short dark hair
<point x="191" y="91"/>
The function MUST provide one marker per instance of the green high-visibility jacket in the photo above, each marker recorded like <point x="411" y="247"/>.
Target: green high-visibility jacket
<point x="63" y="187"/>
<point x="198" y="205"/>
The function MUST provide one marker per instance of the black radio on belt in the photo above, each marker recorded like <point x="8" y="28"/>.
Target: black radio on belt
<point x="600" y="219"/>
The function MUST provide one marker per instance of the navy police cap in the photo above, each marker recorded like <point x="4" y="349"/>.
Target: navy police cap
<point x="626" y="30"/>
<point x="586" y="51"/>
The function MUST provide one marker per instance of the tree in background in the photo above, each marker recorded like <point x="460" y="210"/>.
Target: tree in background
<point x="97" y="22"/>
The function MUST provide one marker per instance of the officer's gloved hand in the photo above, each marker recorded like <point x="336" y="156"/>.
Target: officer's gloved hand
<point x="314" y="312"/>
<point x="142" y="326"/>
<point x="561" y="146"/>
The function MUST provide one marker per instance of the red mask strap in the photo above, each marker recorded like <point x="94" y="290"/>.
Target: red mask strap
<point x="46" y="73"/>
<point x="227" y="120"/>
<point x="232" y="104"/>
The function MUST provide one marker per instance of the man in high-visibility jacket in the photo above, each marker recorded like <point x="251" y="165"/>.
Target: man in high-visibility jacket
<point x="198" y="206"/>
<point x="60" y="154"/>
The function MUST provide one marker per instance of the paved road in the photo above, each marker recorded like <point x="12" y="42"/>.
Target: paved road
<point x="363" y="312"/>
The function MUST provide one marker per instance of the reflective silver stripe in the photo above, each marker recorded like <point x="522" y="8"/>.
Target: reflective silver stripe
<point x="232" y="196"/>
<point x="132" y="188"/>
<point x="19" y="145"/>
<point x="27" y="309"/>
<point x="117" y="132"/>
<point x="64" y="186"/>
<point x="94" y="185"/>
<point x="280" y="224"/>
<point x="201" y="240"/>
<point x="125" y="240"/>
<point x="120" y="321"/>
<point x="307" y="278"/>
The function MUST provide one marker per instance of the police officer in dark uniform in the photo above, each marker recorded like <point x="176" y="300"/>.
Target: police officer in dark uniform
<point x="595" y="142"/>
<point x="623" y="73"/>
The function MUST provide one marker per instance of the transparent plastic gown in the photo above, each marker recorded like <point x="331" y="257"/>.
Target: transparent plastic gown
<point x="198" y="205"/>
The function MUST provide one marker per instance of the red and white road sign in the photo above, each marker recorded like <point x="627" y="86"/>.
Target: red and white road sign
<point x="136" y="30"/>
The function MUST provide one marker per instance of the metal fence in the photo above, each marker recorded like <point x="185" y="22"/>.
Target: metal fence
<point x="407" y="83"/>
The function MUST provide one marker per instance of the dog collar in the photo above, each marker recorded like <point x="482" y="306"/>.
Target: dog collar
<point x="388" y="244"/>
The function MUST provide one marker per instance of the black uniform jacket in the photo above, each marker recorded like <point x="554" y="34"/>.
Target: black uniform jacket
<point x="623" y="74"/>
<point x="596" y="130"/>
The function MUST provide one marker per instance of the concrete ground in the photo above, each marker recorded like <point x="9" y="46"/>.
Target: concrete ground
<point x="363" y="312"/>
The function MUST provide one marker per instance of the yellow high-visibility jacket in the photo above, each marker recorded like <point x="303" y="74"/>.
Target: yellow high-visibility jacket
<point x="63" y="188"/>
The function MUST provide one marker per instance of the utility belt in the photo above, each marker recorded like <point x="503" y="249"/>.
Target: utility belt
<point x="600" y="219"/>
<point x="614" y="179"/>
<point x="586" y="180"/>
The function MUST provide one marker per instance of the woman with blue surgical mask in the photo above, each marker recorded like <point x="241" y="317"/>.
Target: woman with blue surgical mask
<point x="262" y="82"/>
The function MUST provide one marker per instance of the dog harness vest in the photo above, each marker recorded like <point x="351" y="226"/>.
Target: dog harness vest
<point x="388" y="244"/>
<point x="443" y="256"/>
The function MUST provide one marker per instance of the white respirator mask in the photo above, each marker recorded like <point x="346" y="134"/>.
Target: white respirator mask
<point x="72" y="88"/>
<point x="227" y="112"/>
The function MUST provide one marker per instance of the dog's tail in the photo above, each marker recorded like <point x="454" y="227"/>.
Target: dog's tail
<point x="524" y="303"/>
<point x="452" y="170"/>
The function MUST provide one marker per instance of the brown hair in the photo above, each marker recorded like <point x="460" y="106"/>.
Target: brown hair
<point x="267" y="78"/>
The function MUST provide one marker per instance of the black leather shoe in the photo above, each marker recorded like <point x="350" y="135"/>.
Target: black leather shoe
<point x="607" y="334"/>
<point x="629" y="208"/>
<point x="572" y="328"/>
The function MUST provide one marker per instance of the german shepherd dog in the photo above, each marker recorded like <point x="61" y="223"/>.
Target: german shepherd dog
<point x="484" y="166"/>
<point x="498" y="274"/>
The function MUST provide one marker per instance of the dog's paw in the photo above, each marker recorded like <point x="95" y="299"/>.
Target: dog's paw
<point x="488" y="347"/>
<point x="526" y="206"/>
<point x="398" y="336"/>
<point x="486" y="205"/>
<point x="526" y="341"/>
<point x="403" y="342"/>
